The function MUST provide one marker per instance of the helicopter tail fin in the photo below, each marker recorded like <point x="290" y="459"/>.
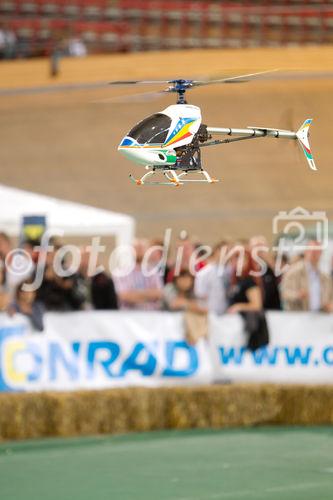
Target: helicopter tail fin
<point x="302" y="135"/>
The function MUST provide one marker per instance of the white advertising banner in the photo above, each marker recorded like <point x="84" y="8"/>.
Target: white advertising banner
<point x="300" y="349"/>
<point x="96" y="350"/>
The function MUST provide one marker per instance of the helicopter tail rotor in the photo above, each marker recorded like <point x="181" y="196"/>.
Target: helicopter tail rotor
<point x="302" y="135"/>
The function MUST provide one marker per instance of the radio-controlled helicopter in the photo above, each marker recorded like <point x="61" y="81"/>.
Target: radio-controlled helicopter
<point x="170" y="142"/>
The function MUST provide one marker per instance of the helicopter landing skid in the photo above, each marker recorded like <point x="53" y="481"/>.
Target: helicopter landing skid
<point x="173" y="179"/>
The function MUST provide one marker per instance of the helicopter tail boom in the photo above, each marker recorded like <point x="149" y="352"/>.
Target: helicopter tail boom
<point x="302" y="135"/>
<point x="253" y="132"/>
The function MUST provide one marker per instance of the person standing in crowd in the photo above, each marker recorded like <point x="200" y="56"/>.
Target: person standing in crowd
<point x="305" y="287"/>
<point x="2" y="42"/>
<point x="245" y="298"/>
<point x="211" y="281"/>
<point x="187" y="255"/>
<point x="103" y="292"/>
<point x="139" y="290"/>
<point x="5" y="245"/>
<point x="201" y="256"/>
<point x="18" y="266"/>
<point x="243" y="294"/>
<point x="4" y="296"/>
<point x="60" y="293"/>
<point x="179" y="295"/>
<point x="183" y="252"/>
<point x="26" y="303"/>
<point x="76" y="47"/>
<point x="265" y="277"/>
<point x="8" y="42"/>
<point x="99" y="288"/>
<point x="157" y="257"/>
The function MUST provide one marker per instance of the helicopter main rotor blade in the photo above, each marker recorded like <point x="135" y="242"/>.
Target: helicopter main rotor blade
<point x="233" y="79"/>
<point x="138" y="82"/>
<point x="189" y="84"/>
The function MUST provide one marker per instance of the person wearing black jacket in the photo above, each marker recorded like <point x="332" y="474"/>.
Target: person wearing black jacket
<point x="60" y="293"/>
<point x="98" y="285"/>
<point x="244" y="296"/>
<point x="243" y="293"/>
<point x="265" y="278"/>
<point x="103" y="293"/>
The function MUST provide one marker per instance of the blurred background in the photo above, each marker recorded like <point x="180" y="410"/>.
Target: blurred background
<point x="61" y="123"/>
<point x="105" y="26"/>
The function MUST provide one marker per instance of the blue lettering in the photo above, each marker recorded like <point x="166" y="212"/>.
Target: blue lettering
<point x="171" y="352"/>
<point x="265" y="356"/>
<point x="230" y="355"/>
<point x="94" y="347"/>
<point x="297" y="355"/>
<point x="328" y="351"/>
<point x="38" y="360"/>
<point x="146" y="368"/>
<point x="70" y="363"/>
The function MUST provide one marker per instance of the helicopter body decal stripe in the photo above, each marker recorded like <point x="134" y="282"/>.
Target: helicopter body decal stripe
<point x="143" y="146"/>
<point x="180" y="132"/>
<point x="188" y="134"/>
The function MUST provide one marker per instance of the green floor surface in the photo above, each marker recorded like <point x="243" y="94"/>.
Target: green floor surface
<point x="259" y="463"/>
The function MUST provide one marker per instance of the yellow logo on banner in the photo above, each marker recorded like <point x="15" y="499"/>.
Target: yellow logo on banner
<point x="33" y="231"/>
<point x="13" y="347"/>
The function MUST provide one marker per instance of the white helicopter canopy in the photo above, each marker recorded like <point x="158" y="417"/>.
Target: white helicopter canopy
<point x="158" y="128"/>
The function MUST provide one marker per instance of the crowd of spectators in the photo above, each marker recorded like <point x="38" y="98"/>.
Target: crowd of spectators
<point x="232" y="277"/>
<point x="66" y="44"/>
<point x="8" y="43"/>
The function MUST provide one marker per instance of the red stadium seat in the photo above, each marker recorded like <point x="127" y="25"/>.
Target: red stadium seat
<point x="328" y="21"/>
<point x="93" y="9"/>
<point x="7" y="7"/>
<point x="112" y="12"/>
<point x="28" y="7"/>
<point x="49" y="7"/>
<point x="214" y="13"/>
<point x="71" y="8"/>
<point x="25" y="28"/>
<point x="44" y="32"/>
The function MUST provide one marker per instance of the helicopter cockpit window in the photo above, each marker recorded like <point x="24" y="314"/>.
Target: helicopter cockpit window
<point x="152" y="130"/>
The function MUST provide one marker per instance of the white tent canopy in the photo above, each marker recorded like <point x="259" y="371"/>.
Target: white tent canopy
<point x="73" y="219"/>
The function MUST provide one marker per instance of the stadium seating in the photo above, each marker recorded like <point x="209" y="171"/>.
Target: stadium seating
<point x="152" y="24"/>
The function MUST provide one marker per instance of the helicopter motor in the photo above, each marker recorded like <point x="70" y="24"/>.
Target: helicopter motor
<point x="189" y="156"/>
